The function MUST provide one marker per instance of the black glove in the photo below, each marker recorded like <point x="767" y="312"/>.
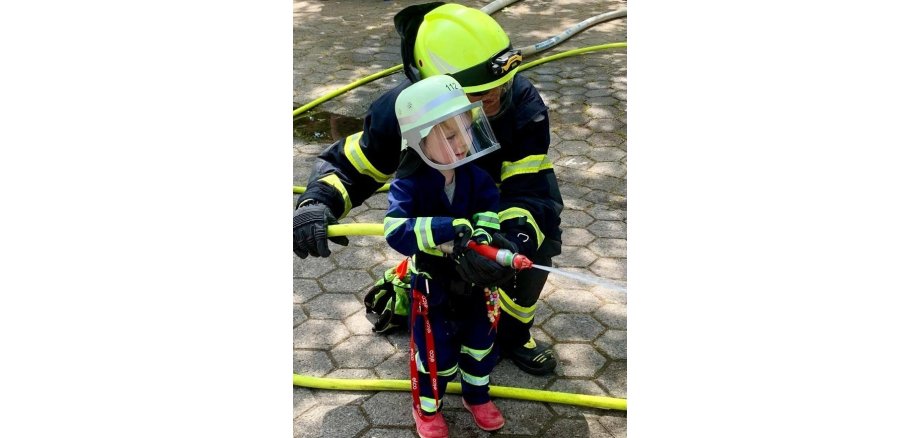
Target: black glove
<point x="310" y="237"/>
<point x="474" y="268"/>
<point x="464" y="231"/>
<point x="500" y="241"/>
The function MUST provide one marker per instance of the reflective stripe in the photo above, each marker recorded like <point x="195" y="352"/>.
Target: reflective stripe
<point x="523" y="314"/>
<point x="429" y="404"/>
<point x="474" y="353"/>
<point x="474" y="380"/>
<point x="359" y="160"/>
<point x="529" y="164"/>
<point x="421" y="367"/>
<point x="424" y="237"/>
<point x="516" y="212"/>
<point x="487" y="219"/>
<point x="390" y="224"/>
<point x="334" y="181"/>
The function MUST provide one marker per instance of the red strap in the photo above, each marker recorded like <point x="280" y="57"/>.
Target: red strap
<point x="420" y="308"/>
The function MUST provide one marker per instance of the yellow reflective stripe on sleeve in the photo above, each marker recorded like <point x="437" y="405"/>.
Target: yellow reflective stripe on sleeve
<point x="529" y="164"/>
<point x="474" y="380"/>
<point x="390" y="224"/>
<point x="516" y="212"/>
<point x="359" y="160"/>
<point x="486" y="219"/>
<point x="334" y="181"/>
<point x="474" y="353"/>
<point x="523" y="314"/>
<point x="425" y="238"/>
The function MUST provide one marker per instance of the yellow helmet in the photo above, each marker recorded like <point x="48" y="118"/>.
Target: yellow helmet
<point x="467" y="44"/>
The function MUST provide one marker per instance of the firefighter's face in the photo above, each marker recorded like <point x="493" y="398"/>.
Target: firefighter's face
<point x="447" y="142"/>
<point x="491" y="100"/>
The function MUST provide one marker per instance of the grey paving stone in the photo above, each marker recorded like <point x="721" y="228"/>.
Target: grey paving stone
<point x="361" y="352"/>
<point x="613" y="379"/>
<point x="608" y="212"/>
<point x="390" y="408"/>
<point x="390" y="433"/>
<point x="605" y="125"/>
<point x="569" y="428"/>
<point x="578" y="162"/>
<point x="613" y="169"/>
<point x="351" y="373"/>
<point x="607" y="139"/>
<point x="506" y="373"/>
<point x="358" y="324"/>
<point x="346" y="280"/>
<point x="299" y="316"/>
<point x="333" y="306"/>
<point x="577" y="327"/>
<point x="316" y="333"/>
<point x="612" y="315"/>
<point x="602" y="153"/>
<point x="615" y="425"/>
<point x="614" y="229"/>
<point x="395" y="367"/>
<point x="355" y="257"/>
<point x="612" y="343"/>
<point x="575" y="219"/>
<point x="614" y="268"/>
<point x="305" y="289"/>
<point x="523" y="417"/>
<point x="577" y="360"/>
<point x="312" y="267"/>
<point x="303" y="400"/>
<point x="571" y="300"/>
<point x="311" y="363"/>
<point x="330" y="421"/>
<point x="573" y="256"/>
<point x="606" y="247"/>
<point x="577" y="236"/>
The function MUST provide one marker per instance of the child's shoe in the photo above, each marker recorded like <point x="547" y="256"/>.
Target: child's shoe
<point x="487" y="416"/>
<point x="430" y="426"/>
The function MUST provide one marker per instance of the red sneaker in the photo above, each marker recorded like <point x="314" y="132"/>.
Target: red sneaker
<point x="430" y="426"/>
<point x="487" y="416"/>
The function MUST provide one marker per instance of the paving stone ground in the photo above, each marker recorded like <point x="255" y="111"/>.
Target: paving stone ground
<point x="337" y="42"/>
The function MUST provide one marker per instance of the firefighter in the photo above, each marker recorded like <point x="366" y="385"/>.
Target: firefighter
<point x="438" y="199"/>
<point x="471" y="47"/>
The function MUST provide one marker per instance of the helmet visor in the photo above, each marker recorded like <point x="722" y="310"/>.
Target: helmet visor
<point x="456" y="139"/>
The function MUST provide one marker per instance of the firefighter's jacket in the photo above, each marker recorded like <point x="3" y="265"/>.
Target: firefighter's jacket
<point x="353" y="168"/>
<point x="420" y="218"/>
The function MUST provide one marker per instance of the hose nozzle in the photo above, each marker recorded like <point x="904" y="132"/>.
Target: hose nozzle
<point x="502" y="256"/>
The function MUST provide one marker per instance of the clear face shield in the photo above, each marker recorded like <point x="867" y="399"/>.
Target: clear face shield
<point x="455" y="139"/>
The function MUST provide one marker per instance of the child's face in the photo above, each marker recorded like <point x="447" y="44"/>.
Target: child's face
<point x="447" y="142"/>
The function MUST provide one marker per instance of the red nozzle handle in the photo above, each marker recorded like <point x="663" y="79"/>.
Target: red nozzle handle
<point x="501" y="256"/>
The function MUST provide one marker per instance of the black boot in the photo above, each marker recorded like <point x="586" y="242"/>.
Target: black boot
<point x="533" y="357"/>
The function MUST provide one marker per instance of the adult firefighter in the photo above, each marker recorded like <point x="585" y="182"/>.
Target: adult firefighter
<point x="470" y="46"/>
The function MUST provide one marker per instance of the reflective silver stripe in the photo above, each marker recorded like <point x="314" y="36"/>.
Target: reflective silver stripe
<point x="390" y="224"/>
<point x="474" y="353"/>
<point x="474" y="380"/>
<point x="523" y="314"/>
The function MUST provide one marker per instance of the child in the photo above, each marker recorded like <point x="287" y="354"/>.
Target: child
<point x="438" y="204"/>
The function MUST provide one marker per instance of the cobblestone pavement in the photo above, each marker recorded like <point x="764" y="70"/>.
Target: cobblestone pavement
<point x="337" y="42"/>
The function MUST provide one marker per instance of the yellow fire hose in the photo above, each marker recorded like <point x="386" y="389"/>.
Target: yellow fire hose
<point x="383" y="189"/>
<point x="591" y="401"/>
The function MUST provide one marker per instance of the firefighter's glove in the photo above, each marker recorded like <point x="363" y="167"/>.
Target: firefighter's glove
<point x="463" y="232"/>
<point x="500" y="241"/>
<point x="475" y="268"/>
<point x="310" y="231"/>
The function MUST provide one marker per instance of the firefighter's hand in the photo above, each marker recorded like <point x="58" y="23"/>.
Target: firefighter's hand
<point x="477" y="269"/>
<point x="463" y="232"/>
<point x="310" y="231"/>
